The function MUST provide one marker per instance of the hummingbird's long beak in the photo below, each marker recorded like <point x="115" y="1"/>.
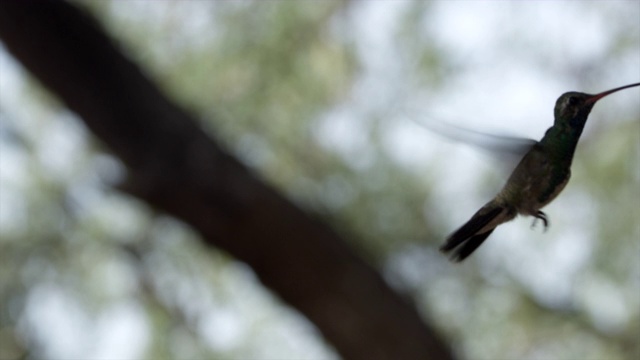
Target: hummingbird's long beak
<point x="599" y="96"/>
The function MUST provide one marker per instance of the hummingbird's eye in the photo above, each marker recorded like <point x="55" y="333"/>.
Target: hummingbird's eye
<point x="573" y="100"/>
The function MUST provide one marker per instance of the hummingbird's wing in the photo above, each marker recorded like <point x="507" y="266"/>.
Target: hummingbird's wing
<point x="501" y="144"/>
<point x="508" y="149"/>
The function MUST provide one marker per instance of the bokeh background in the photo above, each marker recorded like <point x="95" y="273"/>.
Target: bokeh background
<point x="331" y="101"/>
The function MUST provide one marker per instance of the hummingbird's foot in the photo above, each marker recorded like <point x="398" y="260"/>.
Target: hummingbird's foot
<point x="542" y="216"/>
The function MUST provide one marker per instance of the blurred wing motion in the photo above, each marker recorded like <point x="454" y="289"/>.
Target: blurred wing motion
<point x="510" y="147"/>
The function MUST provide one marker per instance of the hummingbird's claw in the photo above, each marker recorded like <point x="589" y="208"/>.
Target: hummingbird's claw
<point x="542" y="216"/>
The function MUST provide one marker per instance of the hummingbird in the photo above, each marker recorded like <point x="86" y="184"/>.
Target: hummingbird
<point x="539" y="177"/>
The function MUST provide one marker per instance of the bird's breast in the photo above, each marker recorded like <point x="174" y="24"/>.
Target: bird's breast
<point x="535" y="182"/>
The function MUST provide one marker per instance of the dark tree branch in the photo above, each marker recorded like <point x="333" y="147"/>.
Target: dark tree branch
<point x="174" y="166"/>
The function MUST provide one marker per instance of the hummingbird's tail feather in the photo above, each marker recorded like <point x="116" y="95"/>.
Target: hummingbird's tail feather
<point x="471" y="228"/>
<point x="476" y="230"/>
<point x="470" y="246"/>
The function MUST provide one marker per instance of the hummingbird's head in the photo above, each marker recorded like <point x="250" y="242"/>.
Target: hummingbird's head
<point x="572" y="109"/>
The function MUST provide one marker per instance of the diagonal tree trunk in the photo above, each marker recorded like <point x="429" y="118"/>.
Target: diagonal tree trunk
<point x="174" y="166"/>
